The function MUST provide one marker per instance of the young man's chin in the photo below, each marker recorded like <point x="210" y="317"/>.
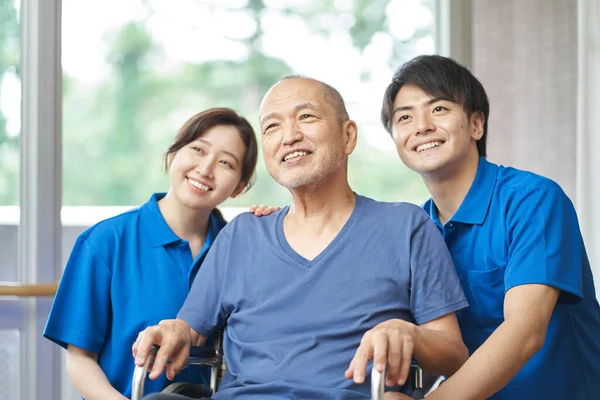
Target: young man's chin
<point x="424" y="165"/>
<point x="430" y="169"/>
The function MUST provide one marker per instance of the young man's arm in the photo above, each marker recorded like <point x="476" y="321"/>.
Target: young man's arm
<point x="545" y="255"/>
<point x="437" y="346"/>
<point x="527" y="312"/>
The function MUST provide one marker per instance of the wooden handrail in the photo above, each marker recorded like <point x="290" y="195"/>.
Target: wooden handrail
<point x="29" y="290"/>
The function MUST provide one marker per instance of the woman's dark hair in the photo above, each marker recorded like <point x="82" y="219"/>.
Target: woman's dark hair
<point x="439" y="77"/>
<point x="200" y="123"/>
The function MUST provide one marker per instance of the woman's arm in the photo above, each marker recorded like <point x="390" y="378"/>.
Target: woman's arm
<point x="88" y="377"/>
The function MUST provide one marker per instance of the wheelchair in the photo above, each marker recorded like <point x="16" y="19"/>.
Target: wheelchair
<point x="213" y="356"/>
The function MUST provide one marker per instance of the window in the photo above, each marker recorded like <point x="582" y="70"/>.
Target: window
<point x="10" y="129"/>
<point x="135" y="70"/>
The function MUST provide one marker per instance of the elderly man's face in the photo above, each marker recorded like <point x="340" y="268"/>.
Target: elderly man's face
<point x="302" y="138"/>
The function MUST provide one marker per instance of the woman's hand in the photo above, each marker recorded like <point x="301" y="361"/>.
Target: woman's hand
<point x="263" y="210"/>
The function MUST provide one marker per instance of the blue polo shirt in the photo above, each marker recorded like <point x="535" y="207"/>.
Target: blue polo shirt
<point x="516" y="228"/>
<point x="293" y="324"/>
<point x="123" y="275"/>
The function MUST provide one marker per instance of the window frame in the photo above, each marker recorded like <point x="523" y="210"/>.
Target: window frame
<point x="40" y="189"/>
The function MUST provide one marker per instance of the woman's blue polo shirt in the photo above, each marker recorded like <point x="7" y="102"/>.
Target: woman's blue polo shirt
<point x="123" y="275"/>
<point x="516" y="228"/>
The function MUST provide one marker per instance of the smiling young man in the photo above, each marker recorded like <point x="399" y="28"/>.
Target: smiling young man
<point x="306" y="298"/>
<point x="533" y="325"/>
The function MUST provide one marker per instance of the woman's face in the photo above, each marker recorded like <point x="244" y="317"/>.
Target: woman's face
<point x="207" y="171"/>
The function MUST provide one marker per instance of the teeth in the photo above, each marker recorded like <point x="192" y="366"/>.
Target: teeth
<point x="295" y="154"/>
<point x="427" y="146"/>
<point x="198" y="185"/>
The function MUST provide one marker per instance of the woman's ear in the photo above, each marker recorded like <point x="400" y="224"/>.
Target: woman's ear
<point x="238" y="190"/>
<point x="169" y="160"/>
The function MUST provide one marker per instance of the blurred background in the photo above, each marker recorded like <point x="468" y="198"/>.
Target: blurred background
<point x="93" y="92"/>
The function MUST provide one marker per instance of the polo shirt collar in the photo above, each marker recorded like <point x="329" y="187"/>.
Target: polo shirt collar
<point x="159" y="233"/>
<point x="474" y="207"/>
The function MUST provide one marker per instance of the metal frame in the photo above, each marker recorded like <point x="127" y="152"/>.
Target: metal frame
<point x="211" y="356"/>
<point x="454" y="30"/>
<point x="40" y="188"/>
<point x="214" y="358"/>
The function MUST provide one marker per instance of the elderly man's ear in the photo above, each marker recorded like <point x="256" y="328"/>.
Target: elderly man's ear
<point x="350" y="132"/>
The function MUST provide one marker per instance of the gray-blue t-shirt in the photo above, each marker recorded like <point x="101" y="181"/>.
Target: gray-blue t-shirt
<point x="293" y="325"/>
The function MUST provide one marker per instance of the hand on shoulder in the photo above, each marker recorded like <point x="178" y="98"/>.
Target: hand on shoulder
<point x="262" y="210"/>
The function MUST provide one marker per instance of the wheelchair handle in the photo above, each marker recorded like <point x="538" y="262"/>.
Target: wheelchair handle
<point x="209" y="356"/>
<point x="378" y="382"/>
<point x="198" y="356"/>
<point x="139" y="375"/>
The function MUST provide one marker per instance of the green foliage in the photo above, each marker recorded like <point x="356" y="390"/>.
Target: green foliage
<point x="369" y="18"/>
<point x="9" y="146"/>
<point x="115" y="132"/>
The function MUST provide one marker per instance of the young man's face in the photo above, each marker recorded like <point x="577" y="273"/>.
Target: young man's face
<point x="432" y="134"/>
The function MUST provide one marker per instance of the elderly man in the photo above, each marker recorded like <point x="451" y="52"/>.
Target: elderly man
<point x="533" y="327"/>
<point x="311" y="293"/>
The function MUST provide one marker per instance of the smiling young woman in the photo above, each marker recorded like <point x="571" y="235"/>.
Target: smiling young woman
<point x="134" y="270"/>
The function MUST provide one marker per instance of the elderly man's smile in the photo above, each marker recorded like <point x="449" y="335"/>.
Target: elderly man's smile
<point x="296" y="156"/>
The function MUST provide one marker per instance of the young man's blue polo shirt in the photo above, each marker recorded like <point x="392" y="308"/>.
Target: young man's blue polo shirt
<point x="125" y="274"/>
<point x="516" y="228"/>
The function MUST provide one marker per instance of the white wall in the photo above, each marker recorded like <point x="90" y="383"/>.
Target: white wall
<point x="588" y="134"/>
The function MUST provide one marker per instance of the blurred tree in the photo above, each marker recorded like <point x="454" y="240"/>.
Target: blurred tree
<point x="117" y="131"/>
<point x="111" y="145"/>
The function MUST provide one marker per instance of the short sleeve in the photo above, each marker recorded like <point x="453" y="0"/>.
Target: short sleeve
<point x="434" y="289"/>
<point x="545" y="244"/>
<point x="204" y="308"/>
<point x="81" y="310"/>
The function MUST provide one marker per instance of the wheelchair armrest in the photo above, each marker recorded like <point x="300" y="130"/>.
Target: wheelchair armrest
<point x="204" y="356"/>
<point x="198" y="356"/>
<point x="202" y="352"/>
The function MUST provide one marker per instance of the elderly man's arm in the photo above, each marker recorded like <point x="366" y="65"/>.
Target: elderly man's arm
<point x="527" y="312"/>
<point x="436" y="345"/>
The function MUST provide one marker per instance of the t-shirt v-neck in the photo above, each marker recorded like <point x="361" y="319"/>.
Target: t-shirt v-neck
<point x="296" y="257"/>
